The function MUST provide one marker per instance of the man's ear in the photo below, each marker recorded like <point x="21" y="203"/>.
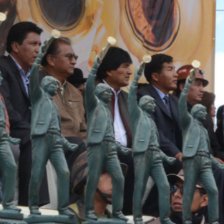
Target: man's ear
<point x="15" y="47"/>
<point x="50" y="60"/>
<point x="204" y="200"/>
<point x="155" y="77"/>
<point x="181" y="86"/>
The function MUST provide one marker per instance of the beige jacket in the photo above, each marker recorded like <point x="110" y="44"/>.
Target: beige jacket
<point x="71" y="109"/>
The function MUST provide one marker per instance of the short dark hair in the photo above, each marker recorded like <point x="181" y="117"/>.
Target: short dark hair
<point x="112" y="60"/>
<point x="53" y="48"/>
<point x="19" y="31"/>
<point x="156" y="65"/>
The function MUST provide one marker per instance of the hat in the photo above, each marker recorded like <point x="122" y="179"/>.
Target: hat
<point x="77" y="77"/>
<point x="173" y="178"/>
<point x="184" y="71"/>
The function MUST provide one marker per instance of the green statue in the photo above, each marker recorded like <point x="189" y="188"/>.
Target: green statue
<point x="47" y="142"/>
<point x="148" y="157"/>
<point x="197" y="161"/>
<point x="8" y="167"/>
<point x="102" y="148"/>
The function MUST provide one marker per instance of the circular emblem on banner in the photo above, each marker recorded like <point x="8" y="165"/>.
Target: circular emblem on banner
<point x="155" y="23"/>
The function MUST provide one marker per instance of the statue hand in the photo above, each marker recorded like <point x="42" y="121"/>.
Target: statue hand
<point x="220" y="166"/>
<point x="170" y="160"/>
<point x="72" y="147"/>
<point x="191" y="76"/>
<point x="125" y="151"/>
<point x="14" y="141"/>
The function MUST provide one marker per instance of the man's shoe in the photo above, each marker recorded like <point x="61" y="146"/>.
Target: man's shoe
<point x="66" y="212"/>
<point x="35" y="211"/>
<point x="119" y="215"/>
<point x="90" y="215"/>
<point x="138" y="220"/>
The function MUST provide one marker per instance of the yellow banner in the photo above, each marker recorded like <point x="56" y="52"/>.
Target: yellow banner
<point x="184" y="29"/>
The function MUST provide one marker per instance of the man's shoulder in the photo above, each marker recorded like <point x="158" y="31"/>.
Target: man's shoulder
<point x="7" y="64"/>
<point x="146" y="90"/>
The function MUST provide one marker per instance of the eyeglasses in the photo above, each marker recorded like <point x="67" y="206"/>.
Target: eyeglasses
<point x="175" y="187"/>
<point x="71" y="56"/>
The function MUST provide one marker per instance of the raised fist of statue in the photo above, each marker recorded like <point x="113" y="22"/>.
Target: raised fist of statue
<point x="170" y="160"/>
<point x="14" y="141"/>
<point x="72" y="146"/>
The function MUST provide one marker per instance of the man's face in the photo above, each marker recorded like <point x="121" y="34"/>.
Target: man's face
<point x="120" y="77"/>
<point x="166" y="80"/>
<point x="64" y="61"/>
<point x="195" y="92"/>
<point x="177" y="199"/>
<point x="27" y="52"/>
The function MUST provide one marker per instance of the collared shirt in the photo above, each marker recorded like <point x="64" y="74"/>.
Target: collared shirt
<point x="24" y="76"/>
<point x="119" y="129"/>
<point x="161" y="94"/>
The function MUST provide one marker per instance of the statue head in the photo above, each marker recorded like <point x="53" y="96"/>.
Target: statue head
<point x="199" y="112"/>
<point x="50" y="85"/>
<point x="103" y="92"/>
<point x="147" y="103"/>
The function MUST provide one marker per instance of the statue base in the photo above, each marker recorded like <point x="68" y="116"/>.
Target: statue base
<point x="52" y="219"/>
<point x="11" y="221"/>
<point x="106" y="221"/>
<point x="9" y="215"/>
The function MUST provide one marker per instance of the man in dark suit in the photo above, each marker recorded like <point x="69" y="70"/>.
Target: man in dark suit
<point x="23" y="43"/>
<point x="161" y="75"/>
<point x="148" y="157"/>
<point x="115" y="71"/>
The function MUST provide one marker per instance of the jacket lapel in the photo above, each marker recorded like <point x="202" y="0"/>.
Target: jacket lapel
<point x="158" y="100"/>
<point x="15" y="71"/>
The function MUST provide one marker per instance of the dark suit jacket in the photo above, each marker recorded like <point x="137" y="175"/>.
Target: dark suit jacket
<point x="16" y="99"/>
<point x="168" y="126"/>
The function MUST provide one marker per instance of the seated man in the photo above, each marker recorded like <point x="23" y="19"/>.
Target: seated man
<point x="199" y="202"/>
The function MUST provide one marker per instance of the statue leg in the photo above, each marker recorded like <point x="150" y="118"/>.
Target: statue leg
<point x="39" y="160"/>
<point x="191" y="174"/>
<point x="95" y="165"/>
<point x="57" y="158"/>
<point x="141" y="177"/>
<point x="207" y="178"/>
<point x="160" y="178"/>
<point x="114" y="169"/>
<point x="9" y="172"/>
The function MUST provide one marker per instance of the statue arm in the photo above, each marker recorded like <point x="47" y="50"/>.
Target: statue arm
<point x="132" y="96"/>
<point x="34" y="75"/>
<point x="216" y="164"/>
<point x="90" y="98"/>
<point x="68" y="145"/>
<point x="184" y="115"/>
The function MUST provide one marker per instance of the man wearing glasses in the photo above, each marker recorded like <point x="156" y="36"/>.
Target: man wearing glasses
<point x="199" y="202"/>
<point x="59" y="62"/>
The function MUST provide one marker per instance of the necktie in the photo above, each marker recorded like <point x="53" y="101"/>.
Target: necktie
<point x="167" y="104"/>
